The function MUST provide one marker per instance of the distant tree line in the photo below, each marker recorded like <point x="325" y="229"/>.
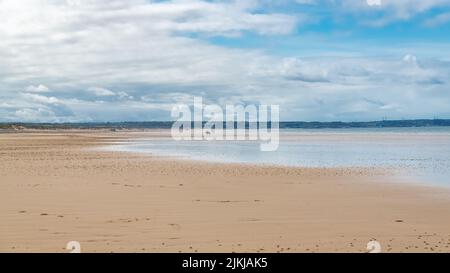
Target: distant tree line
<point x="283" y="125"/>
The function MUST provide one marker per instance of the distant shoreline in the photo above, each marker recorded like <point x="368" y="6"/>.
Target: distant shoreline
<point x="283" y="125"/>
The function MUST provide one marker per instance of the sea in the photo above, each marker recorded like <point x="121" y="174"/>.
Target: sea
<point x="421" y="154"/>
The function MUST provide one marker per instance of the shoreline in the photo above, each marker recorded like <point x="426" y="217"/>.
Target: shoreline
<point x="55" y="190"/>
<point x="398" y="174"/>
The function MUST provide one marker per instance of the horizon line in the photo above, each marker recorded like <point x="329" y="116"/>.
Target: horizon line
<point x="171" y="121"/>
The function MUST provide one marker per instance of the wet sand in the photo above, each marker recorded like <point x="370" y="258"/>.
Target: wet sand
<point x="56" y="187"/>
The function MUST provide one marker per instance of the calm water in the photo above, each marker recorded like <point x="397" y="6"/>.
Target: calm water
<point x="420" y="152"/>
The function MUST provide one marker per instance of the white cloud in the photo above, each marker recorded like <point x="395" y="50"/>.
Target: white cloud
<point x="438" y="20"/>
<point x="38" y="89"/>
<point x="374" y="2"/>
<point x="31" y="107"/>
<point x="101" y="92"/>
<point x="128" y="41"/>
<point x="296" y="69"/>
<point x="35" y="115"/>
<point x="307" y="2"/>
<point x="41" y="99"/>
<point x="410" y="59"/>
<point x="215" y="18"/>
<point x="124" y="95"/>
<point x="383" y="12"/>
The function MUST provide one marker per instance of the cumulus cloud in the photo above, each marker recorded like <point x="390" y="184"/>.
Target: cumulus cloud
<point x="410" y="59"/>
<point x="31" y="107"/>
<point x="103" y="92"/>
<point x="35" y="115"/>
<point x="299" y="70"/>
<point x="38" y="89"/>
<point x="360" y="71"/>
<point x="41" y="99"/>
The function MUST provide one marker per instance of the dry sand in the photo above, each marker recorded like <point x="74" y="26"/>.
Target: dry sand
<point x="55" y="188"/>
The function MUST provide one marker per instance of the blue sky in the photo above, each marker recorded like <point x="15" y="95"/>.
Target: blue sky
<point x="320" y="60"/>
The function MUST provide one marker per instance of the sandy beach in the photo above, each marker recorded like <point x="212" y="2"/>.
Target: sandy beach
<point x="56" y="187"/>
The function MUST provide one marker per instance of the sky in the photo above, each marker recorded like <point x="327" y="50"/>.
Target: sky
<point x="319" y="60"/>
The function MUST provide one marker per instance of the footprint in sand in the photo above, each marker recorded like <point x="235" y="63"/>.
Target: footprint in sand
<point x="175" y="226"/>
<point x="128" y="220"/>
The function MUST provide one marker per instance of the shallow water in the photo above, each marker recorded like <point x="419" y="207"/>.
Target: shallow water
<point x="423" y="153"/>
